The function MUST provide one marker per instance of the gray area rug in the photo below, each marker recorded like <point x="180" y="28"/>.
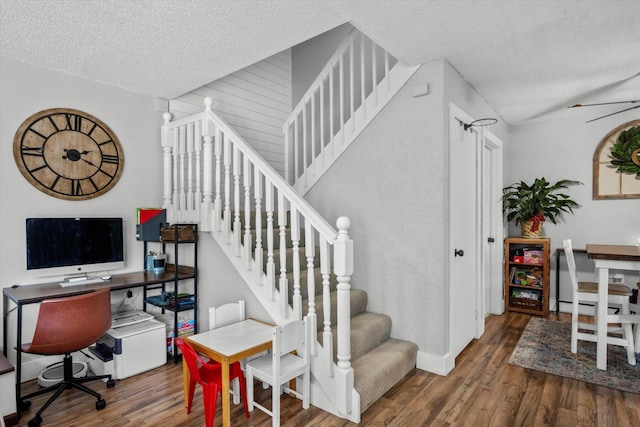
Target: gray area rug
<point x="545" y="345"/>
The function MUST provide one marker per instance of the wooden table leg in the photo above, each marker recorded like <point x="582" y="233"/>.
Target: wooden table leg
<point x="226" y="404"/>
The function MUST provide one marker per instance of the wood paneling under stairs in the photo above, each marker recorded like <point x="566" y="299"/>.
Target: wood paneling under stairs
<point x="483" y="390"/>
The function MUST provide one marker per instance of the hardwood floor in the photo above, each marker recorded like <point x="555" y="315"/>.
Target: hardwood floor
<point x="483" y="390"/>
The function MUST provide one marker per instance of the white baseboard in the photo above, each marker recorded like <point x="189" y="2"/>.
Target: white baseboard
<point x="440" y="365"/>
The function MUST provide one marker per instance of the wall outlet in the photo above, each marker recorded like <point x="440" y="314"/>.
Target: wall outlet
<point x="618" y="279"/>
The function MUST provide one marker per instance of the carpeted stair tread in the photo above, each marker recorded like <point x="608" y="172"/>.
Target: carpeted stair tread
<point x="289" y="262"/>
<point x="378" y="371"/>
<point x="357" y="301"/>
<point x="368" y="330"/>
<point x="304" y="273"/>
<point x="276" y="238"/>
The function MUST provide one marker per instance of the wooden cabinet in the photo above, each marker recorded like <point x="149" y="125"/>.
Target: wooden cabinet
<point x="526" y="275"/>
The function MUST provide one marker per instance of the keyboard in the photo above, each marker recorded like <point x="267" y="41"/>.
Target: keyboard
<point x="80" y="282"/>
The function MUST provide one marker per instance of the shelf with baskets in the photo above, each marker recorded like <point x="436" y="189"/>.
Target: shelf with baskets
<point x="526" y="275"/>
<point x="173" y="296"/>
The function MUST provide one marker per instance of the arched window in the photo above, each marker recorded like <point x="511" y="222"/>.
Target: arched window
<point x="608" y="183"/>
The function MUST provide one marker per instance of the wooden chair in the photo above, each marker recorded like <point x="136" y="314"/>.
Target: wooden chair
<point x="588" y="292"/>
<point x="66" y="325"/>
<point x="209" y="376"/>
<point x="281" y="366"/>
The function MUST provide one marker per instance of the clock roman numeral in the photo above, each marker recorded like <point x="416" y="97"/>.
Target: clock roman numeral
<point x="93" y="183"/>
<point x="31" y="171"/>
<point x="92" y="129"/>
<point x="110" y="158"/>
<point x="53" y="123"/>
<point x="31" y="151"/>
<point x="55" y="181"/>
<point x="73" y="122"/>
<point x="38" y="133"/>
<point x="76" y="188"/>
<point x="106" y="173"/>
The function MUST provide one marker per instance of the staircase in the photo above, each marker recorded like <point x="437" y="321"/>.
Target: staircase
<point x="290" y="257"/>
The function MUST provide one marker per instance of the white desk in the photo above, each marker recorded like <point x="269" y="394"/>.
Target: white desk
<point x="226" y="345"/>
<point x="619" y="257"/>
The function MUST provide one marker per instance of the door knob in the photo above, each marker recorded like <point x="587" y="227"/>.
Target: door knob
<point x="458" y="252"/>
<point x="491" y="240"/>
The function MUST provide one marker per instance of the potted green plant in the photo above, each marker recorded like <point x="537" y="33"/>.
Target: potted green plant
<point x="529" y="205"/>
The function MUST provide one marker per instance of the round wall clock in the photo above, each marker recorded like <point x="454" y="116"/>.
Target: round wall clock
<point x="68" y="154"/>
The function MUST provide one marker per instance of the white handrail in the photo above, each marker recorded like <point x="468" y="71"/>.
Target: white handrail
<point x="308" y="212"/>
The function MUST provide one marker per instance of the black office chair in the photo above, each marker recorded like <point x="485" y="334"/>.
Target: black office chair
<point x="66" y="325"/>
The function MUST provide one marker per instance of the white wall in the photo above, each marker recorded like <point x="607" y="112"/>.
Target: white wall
<point x="255" y="101"/>
<point x="562" y="147"/>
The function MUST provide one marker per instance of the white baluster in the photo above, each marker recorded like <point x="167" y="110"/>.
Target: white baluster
<point x="305" y="143"/>
<point x="271" y="266"/>
<point x="341" y="92"/>
<point x="295" y="239"/>
<point x="176" y="154"/>
<point x="327" y="335"/>
<point x="331" y="109"/>
<point x="217" y="203"/>
<point x="167" y="148"/>
<point x="287" y="153"/>
<point x="283" y="283"/>
<point x="386" y="70"/>
<point x="182" y="179"/>
<point x="363" y="78"/>
<point x="226" y="216"/>
<point x="321" y="124"/>
<point x="374" y="72"/>
<point x="237" y="226"/>
<point x="296" y="150"/>
<point x="352" y="92"/>
<point x="312" y="157"/>
<point x="246" y="175"/>
<point x="198" y="172"/>
<point x="310" y="252"/>
<point x="257" y="193"/>
<point x="189" y="169"/>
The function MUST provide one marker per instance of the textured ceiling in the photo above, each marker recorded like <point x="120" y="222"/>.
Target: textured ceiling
<point x="527" y="58"/>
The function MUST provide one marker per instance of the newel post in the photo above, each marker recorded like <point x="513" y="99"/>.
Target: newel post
<point x="343" y="268"/>
<point x="167" y="153"/>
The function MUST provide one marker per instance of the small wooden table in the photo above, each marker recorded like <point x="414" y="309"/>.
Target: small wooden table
<point x="227" y="345"/>
<point x="619" y="257"/>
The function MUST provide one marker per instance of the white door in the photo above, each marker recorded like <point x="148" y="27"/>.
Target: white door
<point x="465" y="296"/>
<point x="492" y="225"/>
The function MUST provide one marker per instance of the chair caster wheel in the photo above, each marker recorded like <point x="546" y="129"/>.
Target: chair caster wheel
<point x="24" y="405"/>
<point x="100" y="404"/>
<point x="111" y="384"/>
<point x="35" y="421"/>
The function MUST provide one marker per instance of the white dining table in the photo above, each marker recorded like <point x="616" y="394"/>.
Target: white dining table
<point x="228" y="344"/>
<point x="606" y="257"/>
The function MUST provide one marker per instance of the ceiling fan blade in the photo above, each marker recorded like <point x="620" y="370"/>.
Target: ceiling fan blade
<point x="612" y="114"/>
<point x="604" y="103"/>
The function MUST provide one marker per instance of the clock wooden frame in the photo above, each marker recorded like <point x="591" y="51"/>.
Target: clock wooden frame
<point x="68" y="154"/>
